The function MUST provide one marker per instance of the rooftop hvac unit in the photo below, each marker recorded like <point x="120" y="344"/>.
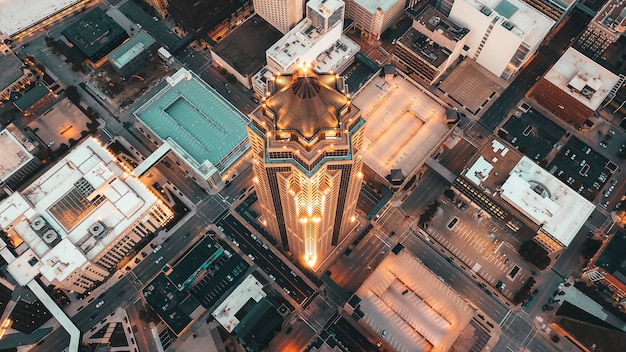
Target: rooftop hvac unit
<point x="50" y="236"/>
<point x="96" y="229"/>
<point x="38" y="223"/>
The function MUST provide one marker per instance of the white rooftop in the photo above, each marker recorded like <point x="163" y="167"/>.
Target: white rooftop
<point x="479" y="171"/>
<point x="404" y="124"/>
<point x="85" y="188"/>
<point x="529" y="23"/>
<point x="577" y="71"/>
<point x="249" y="289"/>
<point x="418" y="310"/>
<point x="303" y="43"/>
<point x="372" y="5"/>
<point x="14" y="154"/>
<point x="559" y="209"/>
<point x="325" y="7"/>
<point x="17" y="15"/>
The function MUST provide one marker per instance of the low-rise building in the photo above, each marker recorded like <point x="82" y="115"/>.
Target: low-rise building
<point x="18" y="19"/>
<point x="431" y="46"/>
<point x="14" y="77"/>
<point x="133" y="54"/>
<point x="575" y="87"/>
<point x="206" y="134"/>
<point x="95" y="35"/>
<point x="35" y="100"/>
<point x="17" y="162"/>
<point x="73" y="225"/>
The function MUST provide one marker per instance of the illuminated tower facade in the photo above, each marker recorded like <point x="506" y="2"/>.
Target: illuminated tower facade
<point x="306" y="139"/>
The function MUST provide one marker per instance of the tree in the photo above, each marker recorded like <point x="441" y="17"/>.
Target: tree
<point x="555" y="338"/>
<point x="534" y="254"/>
<point x="524" y="292"/>
<point x="590" y="247"/>
<point x="71" y="92"/>
<point x="449" y="194"/>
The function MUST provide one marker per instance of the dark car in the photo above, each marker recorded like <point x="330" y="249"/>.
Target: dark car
<point x="464" y="206"/>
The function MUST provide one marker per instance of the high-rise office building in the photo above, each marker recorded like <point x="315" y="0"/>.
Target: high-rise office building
<point x="605" y="29"/>
<point x="306" y="140"/>
<point x="282" y="14"/>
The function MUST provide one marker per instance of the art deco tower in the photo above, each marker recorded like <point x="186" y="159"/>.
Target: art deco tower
<point x="306" y="141"/>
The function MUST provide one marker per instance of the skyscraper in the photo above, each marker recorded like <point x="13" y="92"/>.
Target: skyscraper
<point x="306" y="140"/>
<point x="282" y="14"/>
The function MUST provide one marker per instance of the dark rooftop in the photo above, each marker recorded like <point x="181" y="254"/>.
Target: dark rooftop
<point x="593" y="333"/>
<point x="613" y="258"/>
<point x="193" y="261"/>
<point x="163" y="296"/>
<point x="424" y="47"/>
<point x="29" y="98"/>
<point x="257" y="327"/>
<point x="435" y="21"/>
<point x="244" y="48"/>
<point x="94" y="32"/>
<point x="10" y="68"/>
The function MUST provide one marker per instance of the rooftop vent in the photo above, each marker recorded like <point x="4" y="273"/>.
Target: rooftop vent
<point x="38" y="223"/>
<point x="50" y="236"/>
<point x="96" y="229"/>
<point x="508" y="25"/>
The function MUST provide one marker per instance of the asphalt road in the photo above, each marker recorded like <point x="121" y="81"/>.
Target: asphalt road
<point x="266" y="259"/>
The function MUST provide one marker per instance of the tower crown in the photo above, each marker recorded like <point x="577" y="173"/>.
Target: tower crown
<point x="306" y="102"/>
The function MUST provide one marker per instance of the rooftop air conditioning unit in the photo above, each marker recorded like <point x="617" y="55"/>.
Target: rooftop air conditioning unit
<point x="50" y="236"/>
<point x="96" y="229"/>
<point x="38" y="223"/>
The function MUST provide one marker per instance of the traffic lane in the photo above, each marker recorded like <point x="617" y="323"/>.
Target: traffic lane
<point x="465" y="286"/>
<point x="351" y="337"/>
<point x="264" y="259"/>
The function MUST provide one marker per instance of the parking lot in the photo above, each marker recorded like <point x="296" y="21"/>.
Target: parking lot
<point x="580" y="167"/>
<point x="533" y="134"/>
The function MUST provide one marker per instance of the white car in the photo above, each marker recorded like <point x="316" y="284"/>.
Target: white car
<point x="99" y="304"/>
<point x="158" y="260"/>
<point x="272" y="277"/>
<point x="251" y="257"/>
<point x="156" y="249"/>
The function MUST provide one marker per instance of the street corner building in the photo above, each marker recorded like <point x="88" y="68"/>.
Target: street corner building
<point x="306" y="139"/>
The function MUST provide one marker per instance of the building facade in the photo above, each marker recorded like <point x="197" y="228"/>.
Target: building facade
<point x="282" y="14"/>
<point x="160" y="6"/>
<point x="306" y="140"/>
<point x="606" y="267"/>
<point x="433" y="43"/>
<point x="73" y="225"/>
<point x="503" y="34"/>
<point x="18" y="162"/>
<point x="605" y="29"/>
<point x="129" y="57"/>
<point x="373" y="17"/>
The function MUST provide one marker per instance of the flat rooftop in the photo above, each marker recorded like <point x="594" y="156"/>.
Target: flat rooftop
<point x="225" y="313"/>
<point x="194" y="260"/>
<point x="517" y="16"/>
<point x="435" y="21"/>
<point x="419" y="311"/>
<point x="16" y="15"/>
<point x="10" y="66"/>
<point x="404" y="124"/>
<point x="244" y="48"/>
<point x="424" y="47"/>
<point x="582" y="78"/>
<point x="612" y="257"/>
<point x="372" y="5"/>
<point x="84" y="193"/>
<point x="131" y="48"/>
<point x="191" y="115"/>
<point x="546" y="200"/>
<point x="94" y="32"/>
<point x="612" y="17"/>
<point x="14" y="154"/>
<point x="303" y="43"/>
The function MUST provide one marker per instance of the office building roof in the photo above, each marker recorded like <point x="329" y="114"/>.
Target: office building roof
<point x="546" y="201"/>
<point x="176" y="308"/>
<point x="131" y="48"/>
<point x="517" y="16"/>
<point x="31" y="97"/>
<point x="14" y="154"/>
<point x="197" y="121"/>
<point x="16" y="15"/>
<point x="612" y="258"/>
<point x="226" y="313"/>
<point x="373" y="5"/>
<point x="419" y="311"/>
<point x="244" y="48"/>
<point x="10" y="66"/>
<point x="72" y="212"/>
<point x="582" y="78"/>
<point x="612" y="17"/>
<point x="436" y="22"/>
<point x="306" y="102"/>
<point x="94" y="32"/>
<point x="193" y="261"/>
